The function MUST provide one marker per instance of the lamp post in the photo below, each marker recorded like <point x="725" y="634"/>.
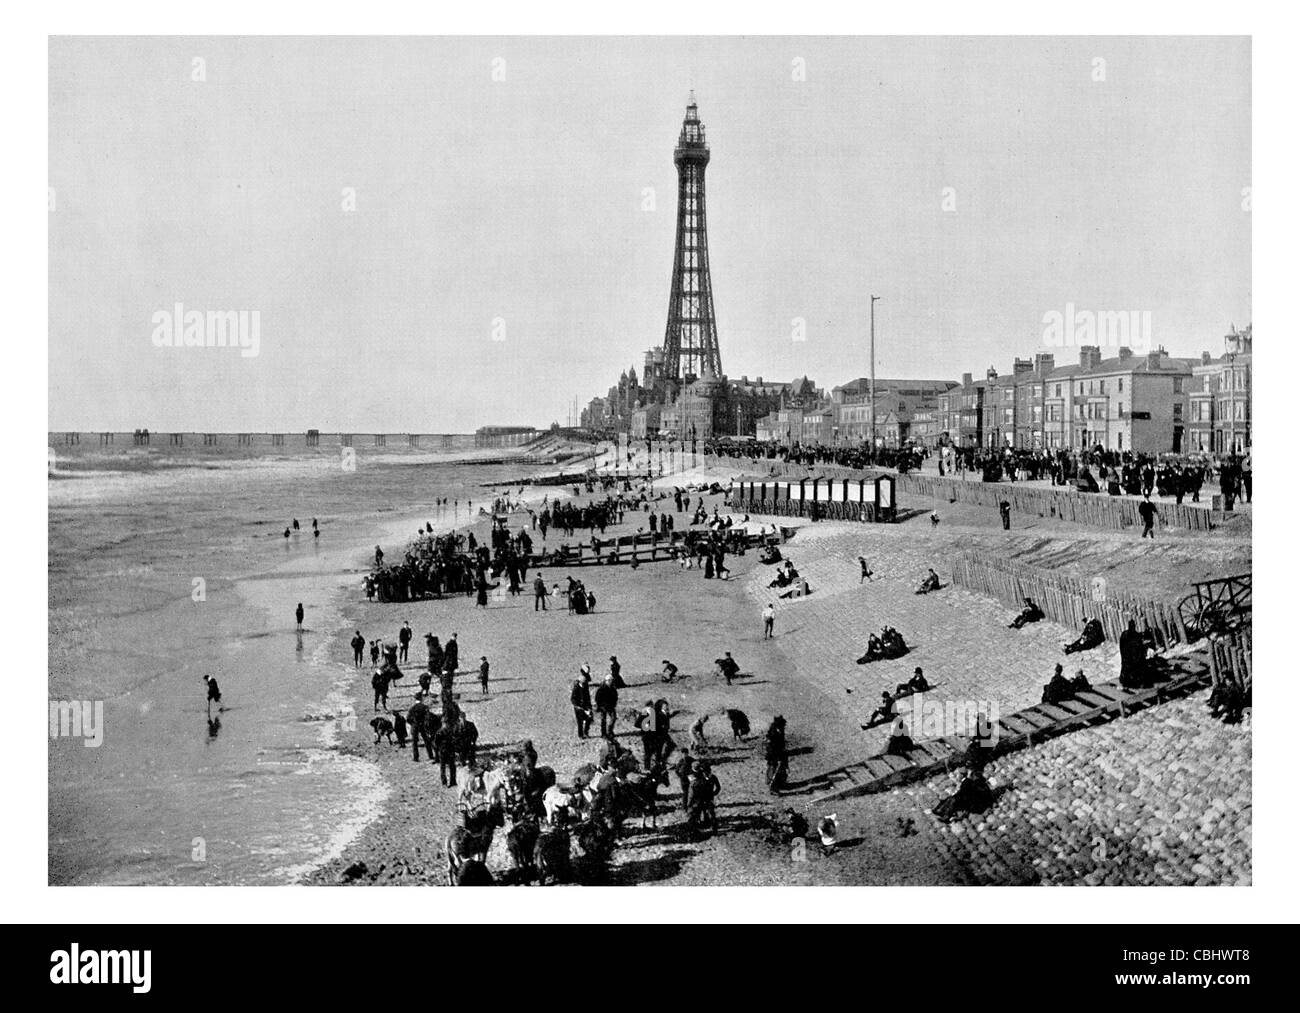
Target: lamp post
<point x="874" y="300"/>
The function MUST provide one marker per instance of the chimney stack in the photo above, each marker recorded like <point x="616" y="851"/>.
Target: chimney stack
<point x="1044" y="363"/>
<point x="1125" y="353"/>
<point x="1021" y="366"/>
<point x="1205" y="358"/>
<point x="1153" y="358"/>
<point x="991" y="375"/>
<point x="966" y="379"/>
<point x="1089" y="356"/>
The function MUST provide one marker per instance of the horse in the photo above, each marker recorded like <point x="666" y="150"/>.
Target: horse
<point x="526" y="791"/>
<point x="640" y="793"/>
<point x="552" y="854"/>
<point x="467" y="741"/>
<point x="559" y="803"/>
<point x="471" y="842"/>
<point x="521" y="842"/>
<point x="473" y="873"/>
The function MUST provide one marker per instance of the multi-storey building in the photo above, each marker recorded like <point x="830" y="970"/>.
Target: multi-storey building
<point x="896" y="403"/>
<point x="1219" y="401"/>
<point x="961" y="413"/>
<point x="1129" y="402"/>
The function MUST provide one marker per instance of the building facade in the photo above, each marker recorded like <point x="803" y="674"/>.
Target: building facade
<point x="1219" y="401"/>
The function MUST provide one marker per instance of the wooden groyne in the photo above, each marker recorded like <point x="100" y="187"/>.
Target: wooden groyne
<point x="640" y="548"/>
<point x="1097" y="705"/>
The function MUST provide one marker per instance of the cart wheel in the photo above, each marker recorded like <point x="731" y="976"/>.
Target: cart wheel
<point x="1216" y="619"/>
<point x="1189" y="611"/>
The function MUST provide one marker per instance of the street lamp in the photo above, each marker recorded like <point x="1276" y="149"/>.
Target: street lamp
<point x="874" y="300"/>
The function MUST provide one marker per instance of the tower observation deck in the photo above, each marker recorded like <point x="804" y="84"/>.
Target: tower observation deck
<point x="691" y="338"/>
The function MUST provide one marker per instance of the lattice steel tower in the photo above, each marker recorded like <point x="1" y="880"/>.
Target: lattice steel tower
<point x="691" y="340"/>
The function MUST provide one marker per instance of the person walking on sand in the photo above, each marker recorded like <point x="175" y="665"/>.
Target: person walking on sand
<point x="682" y="768"/>
<point x="769" y="620"/>
<point x="483" y="673"/>
<point x="298" y="612"/>
<point x="580" y="698"/>
<point x="539" y="593"/>
<point x="1004" y="508"/>
<point x="404" y="641"/>
<point x="866" y="570"/>
<point x="451" y="655"/>
<point x="606" y="700"/>
<point x="379" y="683"/>
<point x="214" y="694"/>
<point x="358" y="645"/>
<point x="374" y="652"/>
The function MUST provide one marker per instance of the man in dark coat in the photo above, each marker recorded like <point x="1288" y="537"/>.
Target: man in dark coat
<point x="728" y="667"/>
<point x="774" y="752"/>
<point x="419" y="720"/>
<point x="682" y="768"/>
<point x="1147" y="511"/>
<point x="451" y="657"/>
<point x="445" y="743"/>
<point x="606" y="700"/>
<point x="358" y="646"/>
<point x="580" y="698"/>
<point x="404" y="641"/>
<point x="379" y="683"/>
<point x="1132" y="657"/>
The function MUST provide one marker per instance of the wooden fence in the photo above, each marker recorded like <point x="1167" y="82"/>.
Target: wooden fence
<point x="1230" y="659"/>
<point x="1068" y="600"/>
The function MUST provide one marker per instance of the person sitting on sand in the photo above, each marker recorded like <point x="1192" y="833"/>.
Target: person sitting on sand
<point x="1031" y="613"/>
<point x="900" y="743"/>
<point x="883" y="713"/>
<point x="1092" y="636"/>
<point x="916" y="684"/>
<point x="1058" y="688"/>
<point x="973" y="796"/>
<point x="929" y="583"/>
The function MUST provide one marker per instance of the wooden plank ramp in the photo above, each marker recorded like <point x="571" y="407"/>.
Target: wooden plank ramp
<point x="1104" y="702"/>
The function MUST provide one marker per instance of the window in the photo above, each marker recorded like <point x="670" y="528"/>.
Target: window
<point x="1178" y="385"/>
<point x="1058" y="390"/>
<point x="1239" y="411"/>
<point x="1178" y="412"/>
<point x="1121" y="386"/>
<point x="1103" y="386"/>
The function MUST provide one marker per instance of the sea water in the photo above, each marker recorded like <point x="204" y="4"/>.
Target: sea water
<point x="163" y="568"/>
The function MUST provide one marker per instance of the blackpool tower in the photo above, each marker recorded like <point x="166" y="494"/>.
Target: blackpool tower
<point x="691" y="340"/>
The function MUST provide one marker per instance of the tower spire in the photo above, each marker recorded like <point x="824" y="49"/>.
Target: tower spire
<point x="691" y="337"/>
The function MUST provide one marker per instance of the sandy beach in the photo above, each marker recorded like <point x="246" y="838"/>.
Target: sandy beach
<point x="806" y="673"/>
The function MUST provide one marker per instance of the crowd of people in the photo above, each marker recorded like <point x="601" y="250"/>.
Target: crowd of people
<point x="1176" y="476"/>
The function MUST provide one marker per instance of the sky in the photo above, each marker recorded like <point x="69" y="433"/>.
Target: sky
<point x="439" y="234"/>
